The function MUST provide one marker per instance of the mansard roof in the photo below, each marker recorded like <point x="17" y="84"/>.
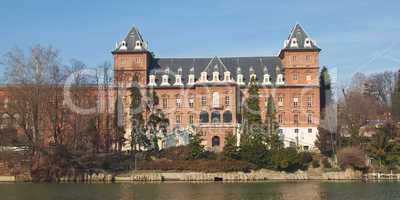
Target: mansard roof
<point x="259" y="65"/>
<point x="130" y="41"/>
<point x="300" y="35"/>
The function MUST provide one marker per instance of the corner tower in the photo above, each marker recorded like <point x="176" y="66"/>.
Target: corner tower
<point x="131" y="59"/>
<point x="300" y="58"/>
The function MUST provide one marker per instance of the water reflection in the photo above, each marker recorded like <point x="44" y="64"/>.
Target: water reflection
<point x="302" y="191"/>
<point x="223" y="191"/>
<point x="209" y="191"/>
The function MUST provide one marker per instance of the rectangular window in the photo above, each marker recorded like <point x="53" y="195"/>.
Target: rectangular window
<point x="309" y="119"/>
<point x="178" y="119"/>
<point x="280" y="100"/>
<point x="227" y="100"/>
<point x="178" y="102"/>
<point x="165" y="103"/>
<point x="295" y="102"/>
<point x="309" y="130"/>
<point x="296" y="119"/>
<point x="203" y="100"/>
<point x="280" y="120"/>
<point x="308" y="58"/>
<point x="123" y="61"/>
<point x="191" y="103"/>
<point x="296" y="130"/>
<point x="293" y="58"/>
<point x="295" y="76"/>
<point x="309" y="101"/>
<point x="191" y="119"/>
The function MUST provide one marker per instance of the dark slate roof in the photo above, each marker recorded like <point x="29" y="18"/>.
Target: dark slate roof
<point x="299" y="33"/>
<point x="186" y="66"/>
<point x="130" y="39"/>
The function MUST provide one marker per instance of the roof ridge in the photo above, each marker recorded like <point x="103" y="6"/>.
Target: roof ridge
<point x="191" y="58"/>
<point x="209" y="63"/>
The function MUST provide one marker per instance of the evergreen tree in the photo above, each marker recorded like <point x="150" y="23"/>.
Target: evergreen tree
<point x="325" y="142"/>
<point x="157" y="122"/>
<point x="253" y="140"/>
<point x="384" y="147"/>
<point x="326" y="96"/>
<point x="138" y="137"/>
<point x="251" y="119"/>
<point x="272" y="126"/>
<point x="396" y="99"/>
<point x="230" y="151"/>
<point x="195" y="147"/>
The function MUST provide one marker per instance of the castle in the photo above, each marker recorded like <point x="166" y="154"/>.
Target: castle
<point x="208" y="93"/>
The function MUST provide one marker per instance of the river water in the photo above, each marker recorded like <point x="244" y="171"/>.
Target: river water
<point x="210" y="191"/>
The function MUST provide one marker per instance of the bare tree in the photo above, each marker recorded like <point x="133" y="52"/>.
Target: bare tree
<point x="29" y="78"/>
<point x="381" y="86"/>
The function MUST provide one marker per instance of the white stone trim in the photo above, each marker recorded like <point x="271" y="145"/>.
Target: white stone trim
<point x="152" y="80"/>
<point x="267" y="79"/>
<point x="240" y="79"/>
<point x="164" y="81"/>
<point x="178" y="80"/>
<point x="279" y="80"/>
<point x="191" y="79"/>
<point x="215" y="77"/>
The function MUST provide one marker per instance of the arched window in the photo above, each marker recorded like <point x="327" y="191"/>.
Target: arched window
<point x="215" y="99"/>
<point x="203" y="117"/>
<point x="215" y="141"/>
<point x="215" y="117"/>
<point x="227" y="116"/>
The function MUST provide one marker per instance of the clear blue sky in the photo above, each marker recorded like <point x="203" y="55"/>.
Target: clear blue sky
<point x="360" y="35"/>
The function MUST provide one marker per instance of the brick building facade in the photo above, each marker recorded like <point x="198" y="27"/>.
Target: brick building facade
<point x="208" y="93"/>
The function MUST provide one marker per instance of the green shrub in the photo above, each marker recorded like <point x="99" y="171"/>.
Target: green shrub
<point x="290" y="160"/>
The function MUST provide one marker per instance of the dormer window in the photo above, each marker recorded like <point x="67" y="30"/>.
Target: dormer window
<point x="227" y="76"/>
<point x="294" y="43"/>
<point x="178" y="80"/>
<point x="267" y="80"/>
<point x="279" y="80"/>
<point x="164" y="81"/>
<point x="152" y="81"/>
<point x="215" y="76"/>
<point x="240" y="79"/>
<point x="123" y="46"/>
<point x="203" y="77"/>
<point x="307" y="42"/>
<point x="191" y="79"/>
<point x="138" y="45"/>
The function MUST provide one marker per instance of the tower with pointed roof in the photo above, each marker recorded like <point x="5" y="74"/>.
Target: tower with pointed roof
<point x="131" y="59"/>
<point x="300" y="58"/>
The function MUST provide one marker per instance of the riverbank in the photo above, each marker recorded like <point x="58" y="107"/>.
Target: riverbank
<point x="150" y="176"/>
<point x="258" y="175"/>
